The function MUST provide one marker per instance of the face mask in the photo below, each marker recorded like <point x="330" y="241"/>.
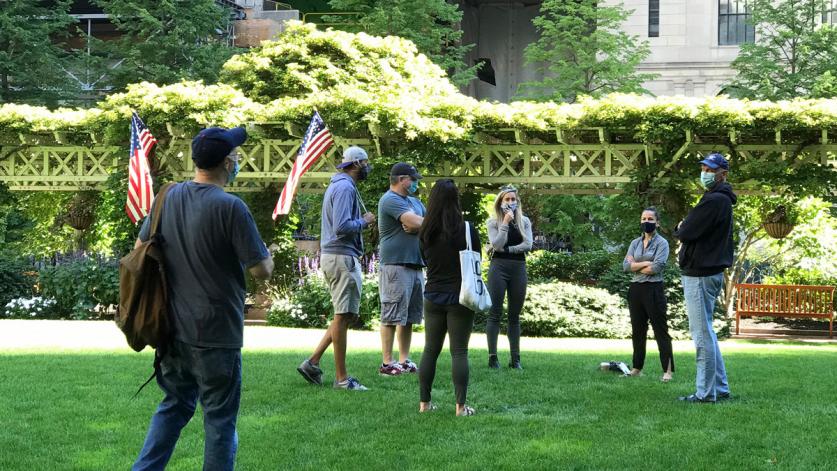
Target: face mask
<point x="413" y="187"/>
<point x="649" y="227"/>
<point x="707" y="179"/>
<point x="509" y="207"/>
<point x="364" y="172"/>
<point x="231" y="176"/>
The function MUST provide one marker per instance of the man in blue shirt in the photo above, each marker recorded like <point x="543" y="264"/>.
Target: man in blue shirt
<point x="401" y="284"/>
<point x="341" y="247"/>
<point x="208" y="239"/>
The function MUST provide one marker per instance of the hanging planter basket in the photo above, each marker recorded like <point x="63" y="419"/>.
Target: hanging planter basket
<point x="778" y="230"/>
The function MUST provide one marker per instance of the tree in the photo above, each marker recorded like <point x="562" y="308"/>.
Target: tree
<point x="31" y="34"/>
<point x="164" y="41"/>
<point x="793" y="54"/>
<point x="431" y="24"/>
<point x="582" y="50"/>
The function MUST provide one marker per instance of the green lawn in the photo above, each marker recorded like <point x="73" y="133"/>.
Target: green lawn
<point x="73" y="411"/>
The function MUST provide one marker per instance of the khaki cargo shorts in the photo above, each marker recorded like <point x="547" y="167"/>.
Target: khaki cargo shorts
<point x="342" y="274"/>
<point x="402" y="290"/>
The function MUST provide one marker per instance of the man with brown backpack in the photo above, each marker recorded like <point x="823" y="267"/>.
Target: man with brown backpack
<point x="207" y="238"/>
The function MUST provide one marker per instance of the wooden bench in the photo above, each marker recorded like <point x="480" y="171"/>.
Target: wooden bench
<point x="800" y="301"/>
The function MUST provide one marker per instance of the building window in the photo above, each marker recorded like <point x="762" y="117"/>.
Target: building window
<point x="733" y="23"/>
<point x="829" y="12"/>
<point x="653" y="18"/>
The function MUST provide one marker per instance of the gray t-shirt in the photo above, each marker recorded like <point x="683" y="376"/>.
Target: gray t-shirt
<point x="397" y="246"/>
<point x="209" y="238"/>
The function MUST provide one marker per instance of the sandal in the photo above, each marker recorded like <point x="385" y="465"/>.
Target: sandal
<point x="466" y="411"/>
<point x="430" y="408"/>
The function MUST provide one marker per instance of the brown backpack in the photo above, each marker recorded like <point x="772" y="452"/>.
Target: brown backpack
<point x="142" y="314"/>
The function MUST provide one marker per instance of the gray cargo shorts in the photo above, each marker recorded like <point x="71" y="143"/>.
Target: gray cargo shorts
<point x="342" y="274"/>
<point x="401" y="289"/>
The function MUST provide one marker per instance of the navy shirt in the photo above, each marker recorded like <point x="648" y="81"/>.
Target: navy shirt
<point x="209" y="238"/>
<point x="398" y="247"/>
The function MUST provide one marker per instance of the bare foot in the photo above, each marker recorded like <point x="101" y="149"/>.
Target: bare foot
<point x="667" y="376"/>
<point x="636" y="372"/>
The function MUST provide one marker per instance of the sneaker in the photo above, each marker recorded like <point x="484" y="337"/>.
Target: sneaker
<point x="311" y="372"/>
<point x="493" y="363"/>
<point x="409" y="367"/>
<point x="392" y="369"/>
<point x="351" y="384"/>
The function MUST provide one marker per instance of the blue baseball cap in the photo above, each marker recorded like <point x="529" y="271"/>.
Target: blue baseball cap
<point x="715" y="161"/>
<point x="351" y="155"/>
<point x="211" y="145"/>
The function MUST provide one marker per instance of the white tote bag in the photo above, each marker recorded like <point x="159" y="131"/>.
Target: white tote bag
<point x="473" y="293"/>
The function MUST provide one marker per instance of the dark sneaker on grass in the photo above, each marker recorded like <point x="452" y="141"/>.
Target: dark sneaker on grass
<point x="692" y="398"/>
<point x="392" y="369"/>
<point x="724" y="396"/>
<point x="351" y="384"/>
<point x="311" y="372"/>
<point x="409" y="367"/>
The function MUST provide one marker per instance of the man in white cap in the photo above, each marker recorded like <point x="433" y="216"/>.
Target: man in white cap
<point x="341" y="246"/>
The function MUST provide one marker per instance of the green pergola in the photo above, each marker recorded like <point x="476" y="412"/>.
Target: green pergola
<point x="580" y="161"/>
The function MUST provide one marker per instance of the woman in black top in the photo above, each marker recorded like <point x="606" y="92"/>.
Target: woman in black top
<point x="510" y="234"/>
<point x="441" y="238"/>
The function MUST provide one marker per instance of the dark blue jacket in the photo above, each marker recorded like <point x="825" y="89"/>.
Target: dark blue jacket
<point x="706" y="233"/>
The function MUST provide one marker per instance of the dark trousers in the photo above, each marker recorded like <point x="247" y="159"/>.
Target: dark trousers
<point x="189" y="374"/>
<point x="647" y="302"/>
<point x="439" y="320"/>
<point x="506" y="276"/>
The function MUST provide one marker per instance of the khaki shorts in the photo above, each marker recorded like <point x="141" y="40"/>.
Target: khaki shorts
<point x="401" y="291"/>
<point x="342" y="274"/>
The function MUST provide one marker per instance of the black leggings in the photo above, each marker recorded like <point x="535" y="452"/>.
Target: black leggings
<point x="647" y="302"/>
<point x="440" y="319"/>
<point x="506" y="276"/>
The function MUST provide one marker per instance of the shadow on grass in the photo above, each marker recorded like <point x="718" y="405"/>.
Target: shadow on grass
<point x="73" y="411"/>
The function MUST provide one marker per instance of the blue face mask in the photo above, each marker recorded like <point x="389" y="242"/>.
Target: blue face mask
<point x="510" y="207"/>
<point x="413" y="187"/>
<point x="707" y="179"/>
<point x="231" y="176"/>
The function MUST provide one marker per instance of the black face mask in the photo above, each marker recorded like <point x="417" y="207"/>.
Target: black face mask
<point x="649" y="227"/>
<point x="363" y="173"/>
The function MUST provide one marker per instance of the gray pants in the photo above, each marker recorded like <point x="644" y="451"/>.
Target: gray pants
<point x="506" y="276"/>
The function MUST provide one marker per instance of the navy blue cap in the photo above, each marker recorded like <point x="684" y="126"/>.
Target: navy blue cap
<point x="715" y="160"/>
<point x="211" y="145"/>
<point x="403" y="168"/>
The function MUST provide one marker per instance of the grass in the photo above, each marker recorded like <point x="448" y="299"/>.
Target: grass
<point x="72" y="410"/>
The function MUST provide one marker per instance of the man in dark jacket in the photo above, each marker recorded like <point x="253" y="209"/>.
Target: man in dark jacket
<point x="706" y="237"/>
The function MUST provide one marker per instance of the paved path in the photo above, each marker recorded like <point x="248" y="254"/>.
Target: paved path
<point x="103" y="335"/>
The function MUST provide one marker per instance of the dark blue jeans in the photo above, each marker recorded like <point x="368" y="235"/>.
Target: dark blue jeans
<point x="189" y="374"/>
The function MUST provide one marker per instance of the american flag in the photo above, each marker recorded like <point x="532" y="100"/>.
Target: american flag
<point x="140" y="193"/>
<point x="316" y="142"/>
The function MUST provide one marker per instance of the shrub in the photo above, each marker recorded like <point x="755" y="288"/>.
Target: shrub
<point x="580" y="266"/>
<point x="560" y="309"/>
<point x="16" y="279"/>
<point x="28" y="308"/>
<point x="83" y="288"/>
<point x="309" y="304"/>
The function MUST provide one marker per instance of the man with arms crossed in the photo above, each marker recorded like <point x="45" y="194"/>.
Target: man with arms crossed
<point x="401" y="278"/>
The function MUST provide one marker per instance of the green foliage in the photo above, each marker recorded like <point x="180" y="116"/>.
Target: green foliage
<point x="582" y="50"/>
<point x="309" y="304"/>
<point x="164" y="42"/>
<point x="431" y="24"/>
<point x="31" y="37"/>
<point x="29" y="308"/>
<point x="566" y="310"/>
<point x="579" y="266"/>
<point x="113" y="232"/>
<point x="82" y="288"/>
<point x="16" y="278"/>
<point x="793" y="56"/>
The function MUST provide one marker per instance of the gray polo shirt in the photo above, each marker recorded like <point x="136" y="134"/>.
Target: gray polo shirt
<point x="656" y="252"/>
<point x="397" y="246"/>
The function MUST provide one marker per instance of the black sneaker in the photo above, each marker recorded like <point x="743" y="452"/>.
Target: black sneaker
<point x="311" y="372"/>
<point x="692" y="398"/>
<point x="514" y="364"/>
<point x="724" y="396"/>
<point x="493" y="362"/>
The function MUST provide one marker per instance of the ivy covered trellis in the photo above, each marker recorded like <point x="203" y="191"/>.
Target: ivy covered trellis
<point x="382" y="94"/>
